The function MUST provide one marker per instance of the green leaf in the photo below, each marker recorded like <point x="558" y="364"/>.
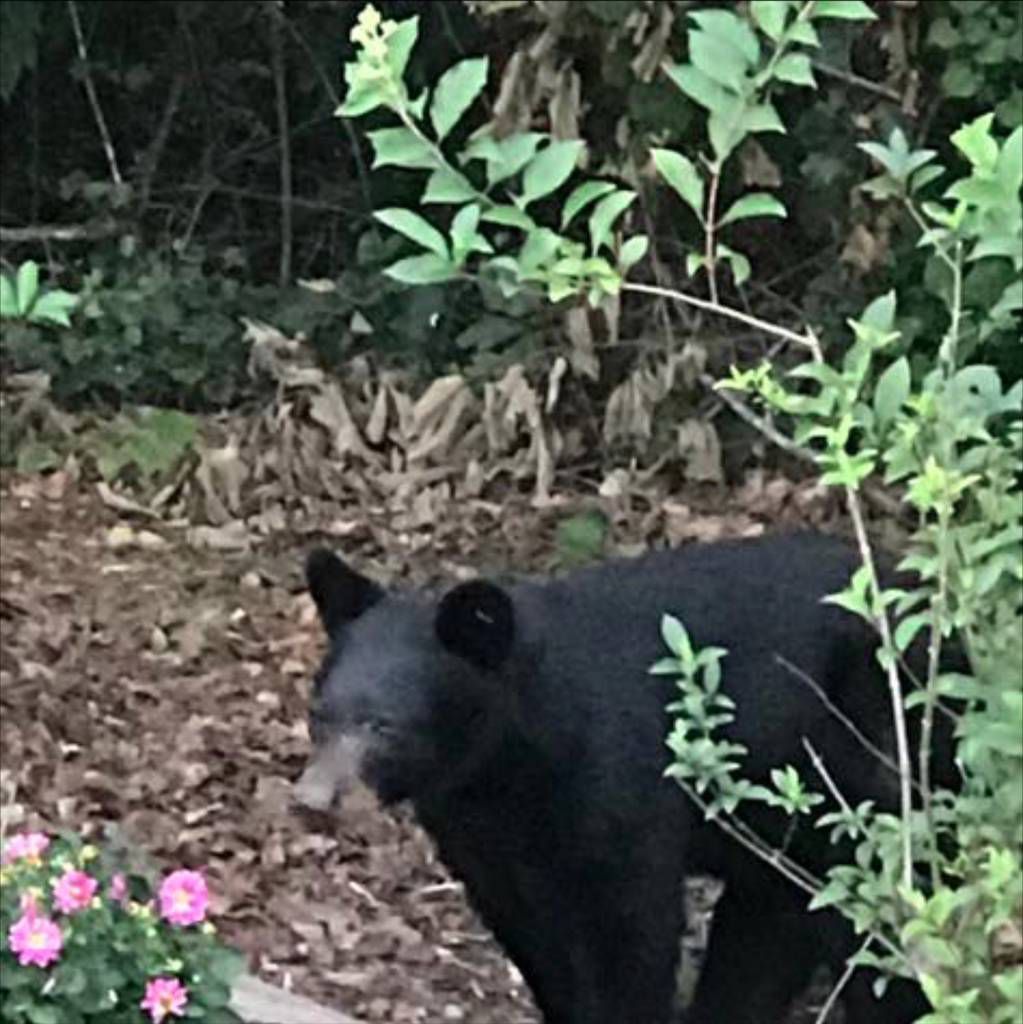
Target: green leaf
<point x="549" y="169"/>
<point x="509" y="216"/>
<point x="633" y="251"/>
<point x="400" y="43"/>
<point x="27" y="286"/>
<point x="1009" y="166"/>
<point x="942" y="34"/>
<point x="959" y="80"/>
<point x="411" y="225"/>
<point x="401" y="147"/>
<point x="446" y="185"/>
<point x="908" y="628"/>
<point x="430" y="268"/>
<point x="892" y="391"/>
<point x="463" y="230"/>
<point x="8" y="298"/>
<point x="851" y="10"/>
<point x="770" y="15"/>
<point x="700" y="88"/>
<point x="762" y="118"/>
<point x="718" y="60"/>
<point x="581" y="197"/>
<point x="730" y="30"/>
<point x="676" y="639"/>
<point x="510" y="155"/>
<point x="359" y="100"/>
<point x="795" y="68"/>
<point x="802" y="31"/>
<point x="681" y="174"/>
<point x="606" y="213"/>
<point x="455" y="92"/>
<point x="53" y="307"/>
<point x="756" y="204"/>
<point x="739" y="264"/>
<point x="880" y="314"/>
<point x="974" y="141"/>
<point x="539" y="247"/>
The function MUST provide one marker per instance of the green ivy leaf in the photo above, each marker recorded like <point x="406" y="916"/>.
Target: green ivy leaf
<point x="606" y="213"/>
<point x="549" y="169"/>
<point x="892" y="391"/>
<point x="430" y="268"/>
<point x="446" y="185"/>
<point x="795" y="68"/>
<point x="457" y="89"/>
<point x="756" y="204"/>
<point x="411" y="225"/>
<point x="681" y="174"/>
<point x="581" y="197"/>
<point x="975" y="142"/>
<point x="959" y="80"/>
<point x="401" y="147"/>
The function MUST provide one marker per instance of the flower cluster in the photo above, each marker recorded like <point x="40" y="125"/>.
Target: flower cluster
<point x="55" y="902"/>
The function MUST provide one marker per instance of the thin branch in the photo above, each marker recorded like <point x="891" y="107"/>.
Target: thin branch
<point x="864" y="741"/>
<point x="855" y="80"/>
<point x="152" y="158"/>
<point x="836" y="989"/>
<point x="90" y="90"/>
<point x="284" y="139"/>
<point x="805" y="341"/>
<point x="60" y="232"/>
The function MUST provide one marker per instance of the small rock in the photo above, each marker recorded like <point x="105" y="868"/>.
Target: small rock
<point x="158" y="642"/>
<point x="452" y="1012"/>
<point x="119" y="537"/>
<point x="251" y="580"/>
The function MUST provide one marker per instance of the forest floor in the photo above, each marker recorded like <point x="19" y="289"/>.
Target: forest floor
<point x="161" y="688"/>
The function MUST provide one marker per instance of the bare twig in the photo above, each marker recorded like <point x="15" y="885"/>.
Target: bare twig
<point x="855" y="80"/>
<point x="805" y="341"/>
<point x="152" y="158"/>
<point x="90" y="90"/>
<point x="284" y="140"/>
<point x="868" y="745"/>
<point x="836" y="989"/>
<point x="60" y="232"/>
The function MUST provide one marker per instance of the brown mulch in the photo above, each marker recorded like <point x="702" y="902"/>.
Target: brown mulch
<point x="162" y="688"/>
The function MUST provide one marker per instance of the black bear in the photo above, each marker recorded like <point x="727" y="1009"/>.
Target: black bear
<point x="524" y="727"/>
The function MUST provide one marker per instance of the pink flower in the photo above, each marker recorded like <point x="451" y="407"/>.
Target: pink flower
<point x="73" y="891"/>
<point x="164" y="996"/>
<point x="29" y="845"/>
<point x="118" y="888"/>
<point x="36" y="940"/>
<point x="184" y="897"/>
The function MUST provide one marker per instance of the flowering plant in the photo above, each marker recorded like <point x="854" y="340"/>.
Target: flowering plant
<point x="81" y="942"/>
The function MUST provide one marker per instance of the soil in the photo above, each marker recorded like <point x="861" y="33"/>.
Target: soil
<point x="161" y="689"/>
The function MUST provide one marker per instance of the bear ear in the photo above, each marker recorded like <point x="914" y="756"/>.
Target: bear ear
<point x="340" y="593"/>
<point x="476" y="621"/>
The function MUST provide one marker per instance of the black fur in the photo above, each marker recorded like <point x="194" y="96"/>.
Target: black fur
<point x="525" y="729"/>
